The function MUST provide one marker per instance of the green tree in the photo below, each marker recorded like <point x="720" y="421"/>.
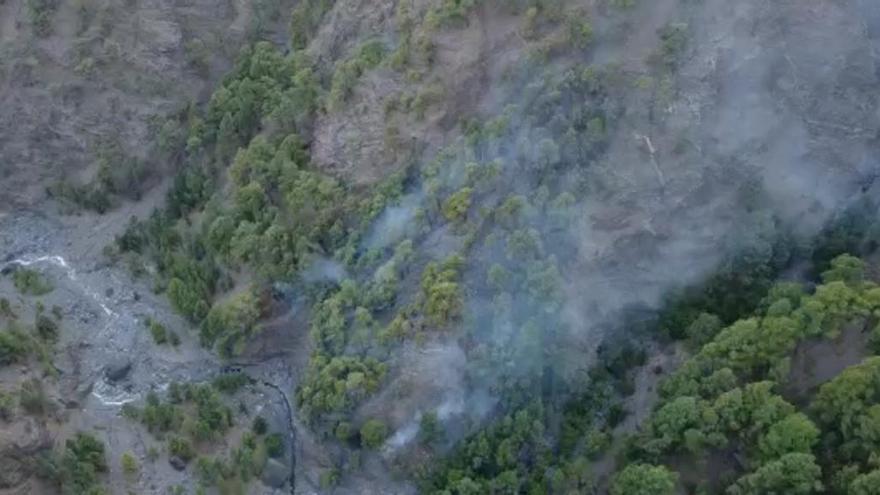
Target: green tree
<point x="795" y="474"/>
<point x="373" y="433"/>
<point x="129" y="463"/>
<point x="644" y="479"/>
<point x="866" y="484"/>
<point x="795" y="433"/>
<point x="456" y="206"/>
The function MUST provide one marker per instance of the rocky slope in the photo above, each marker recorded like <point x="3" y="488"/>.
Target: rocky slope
<point x="723" y="125"/>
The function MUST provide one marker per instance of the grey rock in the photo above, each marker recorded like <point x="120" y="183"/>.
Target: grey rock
<point x="177" y="463"/>
<point x="117" y="370"/>
<point x="275" y="473"/>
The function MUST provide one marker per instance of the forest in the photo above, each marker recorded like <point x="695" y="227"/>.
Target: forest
<point x="527" y="256"/>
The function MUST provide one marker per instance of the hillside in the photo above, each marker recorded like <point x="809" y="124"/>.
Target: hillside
<point x="457" y="246"/>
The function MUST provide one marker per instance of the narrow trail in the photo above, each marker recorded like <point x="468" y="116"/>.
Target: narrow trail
<point x="291" y="430"/>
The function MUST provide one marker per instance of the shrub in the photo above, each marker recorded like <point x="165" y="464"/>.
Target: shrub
<point x="373" y="433"/>
<point x="32" y="398"/>
<point x="129" y="463"/>
<point x="81" y="463"/>
<point x="274" y="445"/>
<point x="159" y="332"/>
<point x="259" y="426"/>
<point x="182" y="448"/>
<point x="31" y="283"/>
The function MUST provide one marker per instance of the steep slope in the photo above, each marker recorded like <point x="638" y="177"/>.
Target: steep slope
<point x="447" y="227"/>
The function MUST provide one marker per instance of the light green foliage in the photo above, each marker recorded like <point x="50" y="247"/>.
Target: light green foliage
<point x="847" y="269"/>
<point x="671" y="422"/>
<point x="181" y="447"/>
<point x="846" y="405"/>
<point x="230" y="323"/>
<point x="580" y="32"/>
<point x="441" y="292"/>
<point x="455" y="208"/>
<point x="158" y="331"/>
<point x="644" y="479"/>
<point x="753" y="345"/>
<point x="703" y="329"/>
<point x="373" y="433"/>
<point x="338" y="384"/>
<point x="31" y="282"/>
<point x="866" y="484"/>
<point x="795" y="433"/>
<point x="795" y="474"/>
<point x="196" y="411"/>
<point x="448" y="13"/>
<point x="129" y="463"/>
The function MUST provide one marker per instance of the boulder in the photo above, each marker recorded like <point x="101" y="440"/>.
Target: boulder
<point x="275" y="473"/>
<point x="177" y="463"/>
<point x="117" y="370"/>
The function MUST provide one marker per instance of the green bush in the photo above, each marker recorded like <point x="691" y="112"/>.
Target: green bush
<point x="31" y="282"/>
<point x="82" y="462"/>
<point x="373" y="433"/>
<point x="181" y="447"/>
<point x="129" y="463"/>
<point x="644" y="479"/>
<point x="274" y="445"/>
<point x="159" y="332"/>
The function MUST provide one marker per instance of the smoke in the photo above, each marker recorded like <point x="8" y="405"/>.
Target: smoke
<point x="641" y="180"/>
<point x="395" y="224"/>
<point x="324" y="270"/>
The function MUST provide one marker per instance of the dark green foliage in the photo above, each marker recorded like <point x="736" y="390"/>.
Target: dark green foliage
<point x="31" y="282"/>
<point x="305" y="19"/>
<point x="274" y="445"/>
<point x="7" y="405"/>
<point x="46" y="327"/>
<point x="430" y="429"/>
<point x="673" y="41"/>
<point x="855" y="231"/>
<point x="231" y="383"/>
<point x="82" y="462"/>
<point x="40" y="14"/>
<point x="33" y="399"/>
<point x="15" y="345"/>
<point x="260" y="426"/>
